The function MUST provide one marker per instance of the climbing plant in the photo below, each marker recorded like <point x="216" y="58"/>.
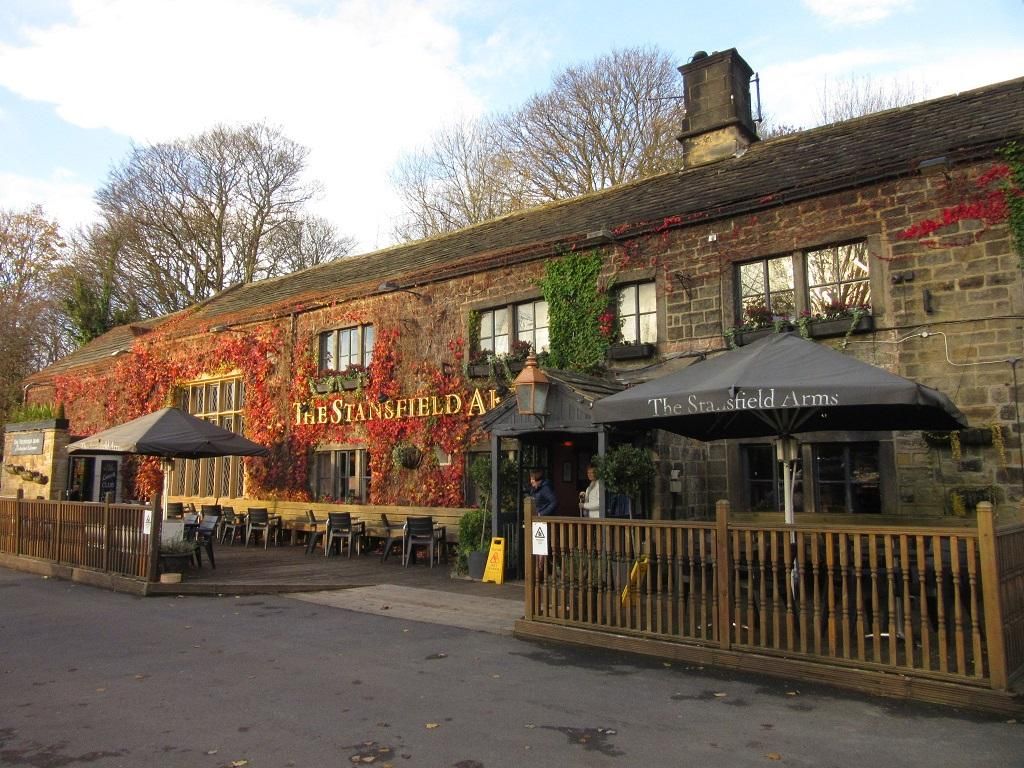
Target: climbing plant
<point x="580" y="316"/>
<point x="1013" y="154"/>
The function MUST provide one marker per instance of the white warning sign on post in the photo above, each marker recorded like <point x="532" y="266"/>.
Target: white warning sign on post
<point x="540" y="539"/>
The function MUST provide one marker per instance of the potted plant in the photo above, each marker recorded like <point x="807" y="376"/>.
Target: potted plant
<point x="175" y="555"/>
<point x="625" y="471"/>
<point x="758" y="321"/>
<point x="474" y="530"/>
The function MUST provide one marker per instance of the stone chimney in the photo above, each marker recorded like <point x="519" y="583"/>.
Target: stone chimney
<point x="716" y="93"/>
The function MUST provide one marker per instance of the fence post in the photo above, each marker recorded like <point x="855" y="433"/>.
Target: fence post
<point x="722" y="572"/>
<point x="991" y="590"/>
<point x="58" y="534"/>
<point x="19" y="498"/>
<point x="154" y="536"/>
<point x="107" y="499"/>
<point x="528" y="557"/>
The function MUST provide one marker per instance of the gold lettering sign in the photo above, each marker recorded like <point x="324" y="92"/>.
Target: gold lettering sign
<point x="341" y="411"/>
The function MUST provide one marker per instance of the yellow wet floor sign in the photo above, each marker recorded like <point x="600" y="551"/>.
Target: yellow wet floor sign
<point x="636" y="575"/>
<point x="495" y="570"/>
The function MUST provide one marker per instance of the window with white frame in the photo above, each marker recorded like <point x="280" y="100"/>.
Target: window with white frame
<point x="638" y="313"/>
<point x="219" y="401"/>
<point x="532" y="324"/>
<point x="523" y="322"/>
<point x="494" y="330"/>
<point x="343" y="348"/>
<point x="343" y="476"/>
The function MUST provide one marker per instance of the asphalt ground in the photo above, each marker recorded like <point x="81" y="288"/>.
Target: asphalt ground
<point x="90" y="677"/>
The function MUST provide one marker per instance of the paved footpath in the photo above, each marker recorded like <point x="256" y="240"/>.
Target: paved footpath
<point x="484" y="614"/>
<point x="99" y="679"/>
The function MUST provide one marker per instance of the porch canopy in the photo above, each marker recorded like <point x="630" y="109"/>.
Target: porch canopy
<point x="779" y="386"/>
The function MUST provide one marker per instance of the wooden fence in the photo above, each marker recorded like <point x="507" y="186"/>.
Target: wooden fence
<point x="927" y="602"/>
<point x="104" y="537"/>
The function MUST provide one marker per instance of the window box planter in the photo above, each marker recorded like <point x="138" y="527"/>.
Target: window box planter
<point x="351" y="384"/>
<point x="630" y="351"/>
<point x="840" y="326"/>
<point x="487" y="370"/>
<point x="747" y="336"/>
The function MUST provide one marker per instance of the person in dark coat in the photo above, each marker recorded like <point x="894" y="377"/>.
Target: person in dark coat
<point x="544" y="500"/>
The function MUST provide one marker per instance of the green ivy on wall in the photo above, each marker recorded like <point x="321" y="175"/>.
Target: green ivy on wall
<point x="1013" y="154"/>
<point x="579" y="341"/>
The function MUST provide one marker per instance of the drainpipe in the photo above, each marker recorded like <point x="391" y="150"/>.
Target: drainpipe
<point x="1016" y="408"/>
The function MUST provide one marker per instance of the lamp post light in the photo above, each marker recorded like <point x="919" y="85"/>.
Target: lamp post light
<point x="532" y="386"/>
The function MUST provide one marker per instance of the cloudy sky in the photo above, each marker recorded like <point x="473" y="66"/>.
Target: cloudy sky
<point x="360" y="82"/>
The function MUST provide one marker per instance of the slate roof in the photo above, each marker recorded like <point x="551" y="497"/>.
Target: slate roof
<point x="853" y="153"/>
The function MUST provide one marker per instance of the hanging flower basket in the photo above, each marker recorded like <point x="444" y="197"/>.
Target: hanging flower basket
<point x="407" y="456"/>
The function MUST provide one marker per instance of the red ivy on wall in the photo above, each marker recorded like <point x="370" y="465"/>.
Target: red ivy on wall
<point x="985" y="201"/>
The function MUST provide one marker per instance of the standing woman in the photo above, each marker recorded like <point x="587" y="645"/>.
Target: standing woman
<point x="590" y="499"/>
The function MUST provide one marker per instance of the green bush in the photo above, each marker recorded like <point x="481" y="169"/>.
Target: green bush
<point x="474" y="534"/>
<point x="625" y="469"/>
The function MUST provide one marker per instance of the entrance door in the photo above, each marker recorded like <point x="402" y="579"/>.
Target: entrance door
<point x="80" y="478"/>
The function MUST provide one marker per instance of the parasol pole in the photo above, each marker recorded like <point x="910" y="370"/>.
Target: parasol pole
<point x="786" y="451"/>
<point x="166" y="465"/>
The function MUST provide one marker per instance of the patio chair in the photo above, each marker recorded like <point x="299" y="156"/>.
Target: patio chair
<point x="419" y="532"/>
<point x="259" y="521"/>
<point x="393" y="534"/>
<point x="346" y="531"/>
<point x="314" y="531"/>
<point x="205" y="535"/>
<point x="232" y="524"/>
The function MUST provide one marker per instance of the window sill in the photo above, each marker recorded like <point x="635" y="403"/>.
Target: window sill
<point x="630" y="351"/>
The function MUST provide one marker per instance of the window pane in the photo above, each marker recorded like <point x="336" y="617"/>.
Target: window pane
<point x="648" y="329"/>
<point x="780" y="274"/>
<point x="212" y="399"/>
<point x="540" y="310"/>
<point x="541" y="341"/>
<point x="647" y="300"/>
<point x="524" y="319"/>
<point x="627" y="300"/>
<point x="369" y="339"/>
<point x="752" y="279"/>
<point x="501" y="325"/>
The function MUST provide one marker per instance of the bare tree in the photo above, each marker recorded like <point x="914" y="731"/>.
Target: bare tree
<point x="196" y="215"/>
<point x="603" y="123"/>
<point x="31" y="252"/>
<point x="857" y="96"/>
<point x="463" y="178"/>
<point x="307" y="242"/>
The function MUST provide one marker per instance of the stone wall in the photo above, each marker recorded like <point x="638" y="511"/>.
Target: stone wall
<point x="50" y="462"/>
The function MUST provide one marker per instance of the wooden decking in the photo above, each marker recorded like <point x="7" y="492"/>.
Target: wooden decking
<point x="287" y="568"/>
